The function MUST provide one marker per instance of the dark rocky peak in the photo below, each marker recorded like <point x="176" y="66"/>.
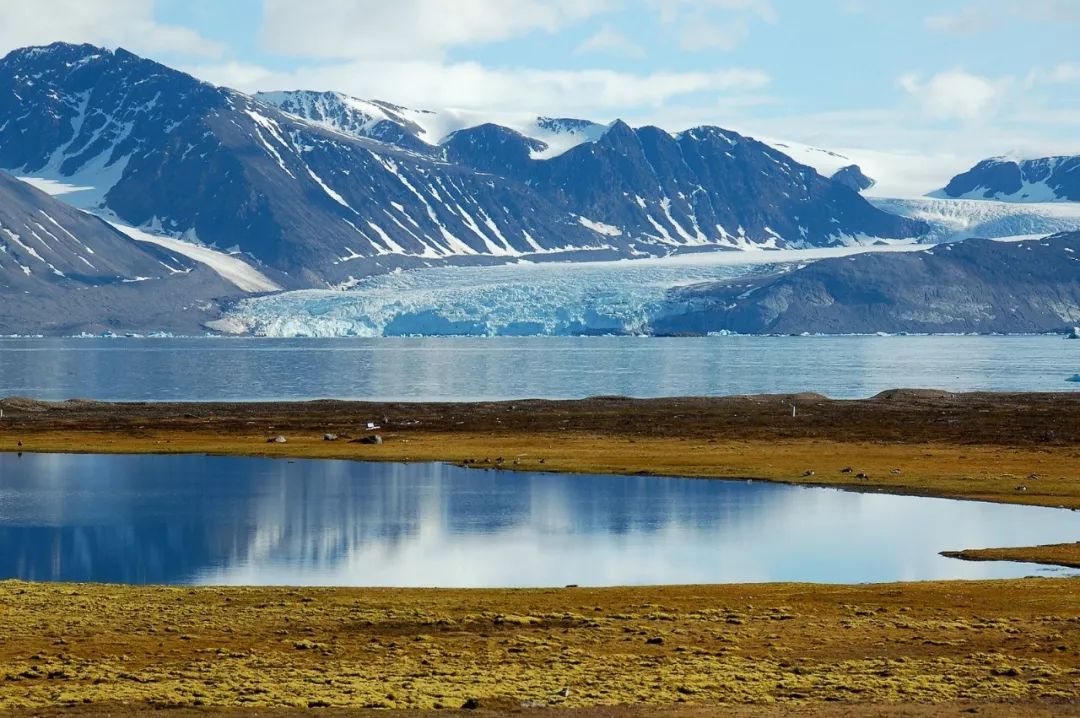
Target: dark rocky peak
<point x="564" y="124"/>
<point x="71" y="104"/>
<point x="711" y="133"/>
<point x="619" y="134"/>
<point x="492" y="148"/>
<point x="853" y="178"/>
<point x="1043" y="179"/>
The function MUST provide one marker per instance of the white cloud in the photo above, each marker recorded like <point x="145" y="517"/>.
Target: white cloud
<point x="408" y="29"/>
<point x="702" y="34"/>
<point x="985" y="15"/>
<point x="608" y="40"/>
<point x="1052" y="10"/>
<point x="1063" y="74"/>
<point x="670" y="9"/>
<point x="714" y="24"/>
<point x="955" y="94"/>
<point x="967" y="20"/>
<point x="129" y="23"/>
<point x="468" y="85"/>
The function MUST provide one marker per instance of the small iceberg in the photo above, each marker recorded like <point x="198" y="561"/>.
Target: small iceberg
<point x="1074" y="334"/>
<point x="1074" y="377"/>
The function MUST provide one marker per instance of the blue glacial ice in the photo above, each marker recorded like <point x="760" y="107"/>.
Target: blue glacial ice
<point x="513" y="300"/>
<point x="524" y="299"/>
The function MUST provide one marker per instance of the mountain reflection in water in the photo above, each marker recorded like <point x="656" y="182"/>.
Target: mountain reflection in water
<point x="200" y="519"/>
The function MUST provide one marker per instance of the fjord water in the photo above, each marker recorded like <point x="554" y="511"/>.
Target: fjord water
<point x="231" y="520"/>
<point x="478" y="368"/>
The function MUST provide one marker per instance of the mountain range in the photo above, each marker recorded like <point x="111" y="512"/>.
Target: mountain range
<point x="315" y="188"/>
<point x="186" y="196"/>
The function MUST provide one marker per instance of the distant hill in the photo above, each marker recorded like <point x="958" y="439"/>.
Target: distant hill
<point x="1047" y="179"/>
<point x="63" y="271"/>
<point x="973" y="286"/>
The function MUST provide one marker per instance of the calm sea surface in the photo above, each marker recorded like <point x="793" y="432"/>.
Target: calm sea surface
<point x="230" y="520"/>
<point x="207" y="369"/>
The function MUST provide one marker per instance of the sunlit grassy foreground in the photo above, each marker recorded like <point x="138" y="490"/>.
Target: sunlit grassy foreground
<point x="922" y="642"/>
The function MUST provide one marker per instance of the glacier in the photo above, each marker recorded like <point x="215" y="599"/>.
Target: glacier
<point x="956" y="219"/>
<point x="523" y="299"/>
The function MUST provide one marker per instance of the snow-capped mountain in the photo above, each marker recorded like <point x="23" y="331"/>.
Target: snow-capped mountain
<point x="44" y="239"/>
<point x="424" y="130"/>
<point x="1047" y="179"/>
<point x="159" y="149"/>
<point x="700" y="187"/>
<point x="376" y="120"/>
<point x="316" y="188"/>
<point x="63" y="269"/>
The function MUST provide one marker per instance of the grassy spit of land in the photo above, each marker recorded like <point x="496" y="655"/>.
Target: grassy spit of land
<point x="1012" y="448"/>
<point x="1062" y="554"/>
<point x="1008" y="647"/>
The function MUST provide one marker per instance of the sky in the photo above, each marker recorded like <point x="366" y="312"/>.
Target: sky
<point x="915" y="91"/>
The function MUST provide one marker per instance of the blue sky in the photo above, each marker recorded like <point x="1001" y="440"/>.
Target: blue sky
<point x="916" y="87"/>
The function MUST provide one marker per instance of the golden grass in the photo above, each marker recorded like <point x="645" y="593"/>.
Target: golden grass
<point x="783" y="644"/>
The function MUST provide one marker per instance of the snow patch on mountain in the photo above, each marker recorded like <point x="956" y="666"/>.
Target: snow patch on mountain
<point x="84" y="188"/>
<point x="560" y="134"/>
<point x="233" y="269"/>
<point x="600" y="227"/>
<point x="826" y="162"/>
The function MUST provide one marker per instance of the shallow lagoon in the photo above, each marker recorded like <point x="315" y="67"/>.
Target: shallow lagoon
<point x="232" y="520"/>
